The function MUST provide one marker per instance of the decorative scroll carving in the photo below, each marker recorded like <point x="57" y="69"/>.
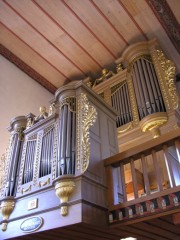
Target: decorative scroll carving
<point x="37" y="158"/>
<point x="20" y="133"/>
<point x="7" y="162"/>
<point x="24" y="190"/>
<point x="145" y="57"/>
<point x="169" y="72"/>
<point x="2" y="168"/>
<point x="54" y="152"/>
<point x="166" y="17"/>
<point x="125" y="128"/>
<point x="117" y="86"/>
<point x="41" y="184"/>
<point x="71" y="102"/>
<point x="22" y="165"/>
<point x="87" y="115"/>
<point x="132" y="100"/>
<point x="160" y="78"/>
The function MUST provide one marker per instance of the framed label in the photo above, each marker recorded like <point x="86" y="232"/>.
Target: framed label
<point x="31" y="224"/>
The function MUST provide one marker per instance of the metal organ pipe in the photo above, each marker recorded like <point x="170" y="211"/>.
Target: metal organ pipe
<point x="67" y="137"/>
<point x="152" y="83"/>
<point x="151" y="104"/>
<point x="146" y="88"/>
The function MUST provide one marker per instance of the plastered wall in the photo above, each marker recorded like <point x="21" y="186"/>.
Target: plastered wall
<point x="19" y="95"/>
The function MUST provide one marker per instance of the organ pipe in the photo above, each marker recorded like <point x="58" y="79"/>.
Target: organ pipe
<point x="146" y="88"/>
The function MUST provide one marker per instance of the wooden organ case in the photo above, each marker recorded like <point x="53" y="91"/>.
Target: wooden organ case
<point x="54" y="173"/>
<point x="143" y="93"/>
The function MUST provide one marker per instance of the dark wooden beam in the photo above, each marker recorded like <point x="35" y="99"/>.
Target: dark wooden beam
<point x="167" y="19"/>
<point x="27" y="69"/>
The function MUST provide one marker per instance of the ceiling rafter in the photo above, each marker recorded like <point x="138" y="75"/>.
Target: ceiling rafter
<point x="27" y="69"/>
<point x="53" y="45"/>
<point x="167" y="19"/>
<point x="68" y="34"/>
<point x="107" y="20"/>
<point x="89" y="29"/>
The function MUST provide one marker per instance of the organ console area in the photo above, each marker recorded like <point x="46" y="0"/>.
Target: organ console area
<point x="54" y="172"/>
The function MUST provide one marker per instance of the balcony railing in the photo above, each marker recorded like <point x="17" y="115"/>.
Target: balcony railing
<point x="144" y="180"/>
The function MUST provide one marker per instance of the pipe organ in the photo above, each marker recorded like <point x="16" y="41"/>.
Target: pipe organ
<point x="57" y="153"/>
<point x="142" y="92"/>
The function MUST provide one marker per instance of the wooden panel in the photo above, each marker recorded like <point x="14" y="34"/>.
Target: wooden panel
<point x="74" y="26"/>
<point x="95" y="21"/>
<point x="35" y="40"/>
<point x="155" y="229"/>
<point x="30" y="57"/>
<point x="54" y="34"/>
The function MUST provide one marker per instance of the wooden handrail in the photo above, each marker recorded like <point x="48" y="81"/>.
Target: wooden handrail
<point x="143" y="148"/>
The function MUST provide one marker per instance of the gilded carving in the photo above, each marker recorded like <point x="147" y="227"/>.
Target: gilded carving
<point x="44" y="183"/>
<point x="2" y="168"/>
<point x="71" y="102"/>
<point x="119" y="68"/>
<point x="22" y="165"/>
<point x="105" y="74"/>
<point x="24" y="190"/>
<point x="63" y="191"/>
<point x="125" y="128"/>
<point x="37" y="158"/>
<point x="160" y="78"/>
<point x="54" y="152"/>
<point x="169" y="74"/>
<point x="19" y="131"/>
<point x="52" y="109"/>
<point x="7" y="162"/>
<point x="133" y="101"/>
<point x="153" y="122"/>
<point x="7" y="206"/>
<point x="117" y="86"/>
<point x="87" y="115"/>
<point x="30" y="122"/>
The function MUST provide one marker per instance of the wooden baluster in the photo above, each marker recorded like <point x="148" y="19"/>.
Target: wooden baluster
<point x="157" y="170"/>
<point x="110" y="185"/>
<point x="177" y="145"/>
<point x="134" y="179"/>
<point x="145" y="175"/>
<point x="123" y="182"/>
<point x="169" y="166"/>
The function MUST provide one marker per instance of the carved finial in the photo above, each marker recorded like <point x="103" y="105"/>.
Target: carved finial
<point x="51" y="109"/>
<point x="43" y="114"/>
<point x="105" y="74"/>
<point x="30" y="122"/>
<point x="119" y="68"/>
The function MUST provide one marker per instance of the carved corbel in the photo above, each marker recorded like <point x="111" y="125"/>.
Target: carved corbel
<point x="7" y="207"/>
<point x="64" y="189"/>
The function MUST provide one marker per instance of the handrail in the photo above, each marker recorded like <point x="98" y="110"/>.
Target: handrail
<point x="145" y="148"/>
<point x="144" y="179"/>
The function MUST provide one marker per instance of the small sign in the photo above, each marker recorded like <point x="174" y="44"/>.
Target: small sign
<point x="31" y="224"/>
<point x="33" y="204"/>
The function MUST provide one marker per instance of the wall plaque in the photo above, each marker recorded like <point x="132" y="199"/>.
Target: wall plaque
<point x="31" y="224"/>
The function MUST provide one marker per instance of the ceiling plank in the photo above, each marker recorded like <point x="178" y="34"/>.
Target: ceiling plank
<point x="74" y="26"/>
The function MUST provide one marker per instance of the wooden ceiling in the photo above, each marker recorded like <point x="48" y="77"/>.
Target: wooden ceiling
<point x="57" y="41"/>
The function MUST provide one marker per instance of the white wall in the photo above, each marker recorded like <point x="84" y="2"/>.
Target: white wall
<point x="19" y="95"/>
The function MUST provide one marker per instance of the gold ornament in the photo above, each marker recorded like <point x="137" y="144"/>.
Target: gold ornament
<point x="63" y="191"/>
<point x="7" y="206"/>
